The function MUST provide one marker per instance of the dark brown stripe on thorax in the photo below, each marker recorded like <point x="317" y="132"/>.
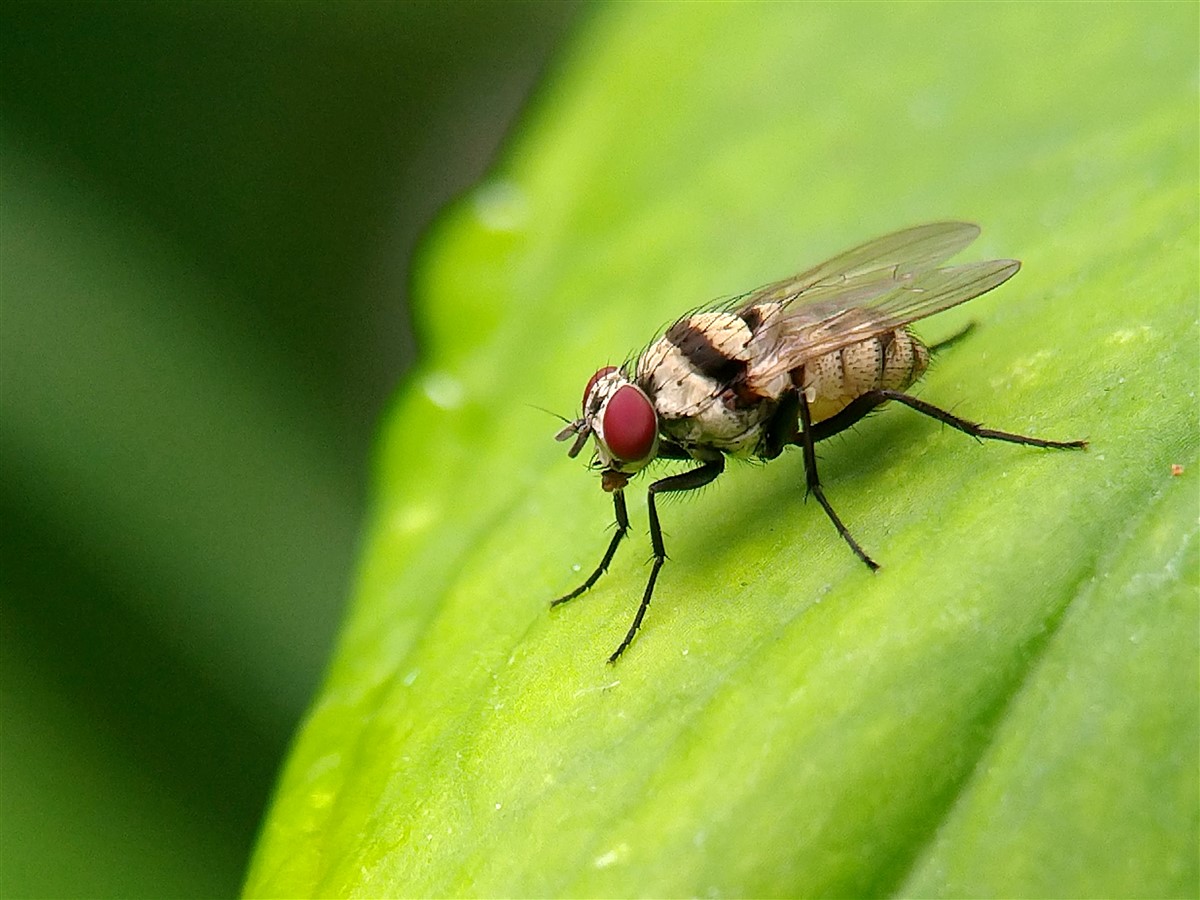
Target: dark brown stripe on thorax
<point x="752" y="317"/>
<point x="705" y="358"/>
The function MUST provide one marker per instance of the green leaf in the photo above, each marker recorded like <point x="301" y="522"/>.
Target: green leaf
<point x="1009" y="707"/>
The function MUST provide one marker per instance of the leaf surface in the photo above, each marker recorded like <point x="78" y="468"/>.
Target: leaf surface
<point x="1009" y="707"/>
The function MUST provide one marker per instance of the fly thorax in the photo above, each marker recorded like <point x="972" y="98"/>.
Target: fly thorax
<point x="703" y="376"/>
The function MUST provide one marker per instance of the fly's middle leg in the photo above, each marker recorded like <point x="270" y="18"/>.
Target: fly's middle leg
<point x="806" y="439"/>
<point x="684" y="481"/>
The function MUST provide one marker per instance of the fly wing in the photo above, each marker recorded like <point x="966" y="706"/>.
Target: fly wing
<point x="871" y="267"/>
<point x="838" y="322"/>
<point x="878" y="287"/>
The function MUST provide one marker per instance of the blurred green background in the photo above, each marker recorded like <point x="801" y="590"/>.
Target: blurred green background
<point x="207" y="215"/>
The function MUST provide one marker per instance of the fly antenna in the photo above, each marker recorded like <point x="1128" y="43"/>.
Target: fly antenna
<point x="549" y="413"/>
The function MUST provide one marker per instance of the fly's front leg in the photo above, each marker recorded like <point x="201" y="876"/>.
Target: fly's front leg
<point x="622" y="530"/>
<point x="684" y="481"/>
<point x="972" y="428"/>
<point x="813" y="482"/>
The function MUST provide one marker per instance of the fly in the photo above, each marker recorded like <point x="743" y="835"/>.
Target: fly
<point x="791" y="363"/>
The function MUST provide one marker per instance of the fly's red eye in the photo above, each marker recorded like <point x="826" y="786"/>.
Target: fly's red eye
<point x="587" y="391"/>
<point x="630" y="424"/>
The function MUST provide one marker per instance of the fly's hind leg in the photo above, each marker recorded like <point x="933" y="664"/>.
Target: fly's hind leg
<point x="948" y="342"/>
<point x="860" y="407"/>
<point x="972" y="428"/>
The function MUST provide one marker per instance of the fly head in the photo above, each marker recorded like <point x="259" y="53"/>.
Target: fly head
<point x="621" y="418"/>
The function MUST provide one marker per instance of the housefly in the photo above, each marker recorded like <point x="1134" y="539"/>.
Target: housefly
<point x="791" y="363"/>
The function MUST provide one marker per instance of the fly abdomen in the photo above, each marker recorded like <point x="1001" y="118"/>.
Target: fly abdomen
<point x="889" y="361"/>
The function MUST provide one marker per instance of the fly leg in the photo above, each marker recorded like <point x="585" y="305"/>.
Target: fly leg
<point x="684" y="481"/>
<point x="806" y="439"/>
<point x="782" y="428"/>
<point x="948" y="342"/>
<point x="622" y="530"/>
<point x="860" y="407"/>
<point x="972" y="428"/>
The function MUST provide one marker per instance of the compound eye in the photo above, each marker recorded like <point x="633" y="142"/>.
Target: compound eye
<point x="630" y="424"/>
<point x="587" y="391"/>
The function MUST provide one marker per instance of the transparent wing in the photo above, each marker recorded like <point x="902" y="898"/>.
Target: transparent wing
<point x="845" y="322"/>
<point x="883" y="285"/>
<point x="871" y="267"/>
